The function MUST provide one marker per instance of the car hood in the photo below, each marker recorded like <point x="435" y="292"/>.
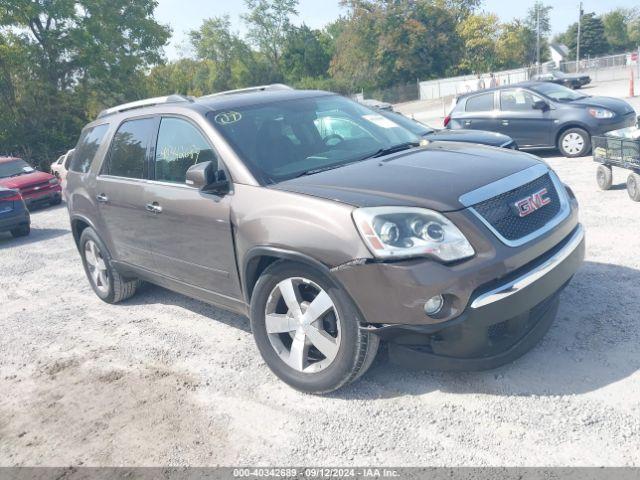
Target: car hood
<point x="432" y="177"/>
<point x="614" y="104"/>
<point x="470" y="136"/>
<point x="26" y="180"/>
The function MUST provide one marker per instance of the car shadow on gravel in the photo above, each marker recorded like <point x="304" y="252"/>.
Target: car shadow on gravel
<point x="36" y="235"/>
<point x="149" y="294"/>
<point x="594" y="342"/>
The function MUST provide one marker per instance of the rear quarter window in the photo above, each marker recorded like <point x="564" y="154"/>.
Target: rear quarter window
<point x="85" y="152"/>
<point x="480" y="103"/>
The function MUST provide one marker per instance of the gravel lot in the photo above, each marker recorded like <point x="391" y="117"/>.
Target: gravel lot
<point x="165" y="380"/>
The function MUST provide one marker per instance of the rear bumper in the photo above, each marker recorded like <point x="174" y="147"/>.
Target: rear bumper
<point x="15" y="219"/>
<point x="501" y="321"/>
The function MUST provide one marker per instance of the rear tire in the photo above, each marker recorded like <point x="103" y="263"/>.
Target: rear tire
<point x="349" y="351"/>
<point x="105" y="280"/>
<point x="604" y="177"/>
<point x="574" y="142"/>
<point x="633" y="187"/>
<point x="22" y="231"/>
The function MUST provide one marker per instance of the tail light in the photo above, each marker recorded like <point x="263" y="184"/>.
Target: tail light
<point x="447" y="119"/>
<point x="12" y="196"/>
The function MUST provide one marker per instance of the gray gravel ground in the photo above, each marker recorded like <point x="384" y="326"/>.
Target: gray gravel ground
<point x="163" y="379"/>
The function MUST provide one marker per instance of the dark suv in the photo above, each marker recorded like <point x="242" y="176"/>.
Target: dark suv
<point x="329" y="225"/>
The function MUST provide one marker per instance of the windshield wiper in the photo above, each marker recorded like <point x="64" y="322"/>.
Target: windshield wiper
<point x="313" y="171"/>
<point x="378" y="153"/>
<point x="393" y="149"/>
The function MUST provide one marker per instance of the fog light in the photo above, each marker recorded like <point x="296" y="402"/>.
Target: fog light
<point x="434" y="305"/>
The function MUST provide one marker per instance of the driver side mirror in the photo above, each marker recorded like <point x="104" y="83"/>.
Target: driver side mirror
<point x="540" y="105"/>
<point x="206" y="178"/>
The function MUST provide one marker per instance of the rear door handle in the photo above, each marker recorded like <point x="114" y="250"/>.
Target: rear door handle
<point x="102" y="198"/>
<point x="467" y="122"/>
<point x="505" y="122"/>
<point x="153" y="207"/>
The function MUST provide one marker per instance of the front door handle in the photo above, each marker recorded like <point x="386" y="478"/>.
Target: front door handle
<point x="102" y="198"/>
<point x="505" y="123"/>
<point x="467" y="122"/>
<point x="153" y="207"/>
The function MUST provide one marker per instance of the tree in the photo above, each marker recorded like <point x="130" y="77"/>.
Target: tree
<point x="382" y="43"/>
<point x="622" y="29"/>
<point x="543" y="12"/>
<point x="513" y="46"/>
<point x="305" y="54"/>
<point x="62" y="61"/>
<point x="479" y="34"/>
<point x="592" y="38"/>
<point x="215" y="42"/>
<point x="269" y="23"/>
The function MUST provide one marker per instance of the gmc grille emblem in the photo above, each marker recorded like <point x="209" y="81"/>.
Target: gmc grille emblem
<point x="533" y="202"/>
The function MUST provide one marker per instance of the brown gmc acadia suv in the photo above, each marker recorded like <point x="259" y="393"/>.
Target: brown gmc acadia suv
<point x="329" y="225"/>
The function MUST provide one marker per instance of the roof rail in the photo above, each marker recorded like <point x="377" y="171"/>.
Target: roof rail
<point x="260" y="88"/>
<point x="148" y="102"/>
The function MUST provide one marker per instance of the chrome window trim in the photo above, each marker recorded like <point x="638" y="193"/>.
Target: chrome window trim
<point x="533" y="275"/>
<point x="509" y="183"/>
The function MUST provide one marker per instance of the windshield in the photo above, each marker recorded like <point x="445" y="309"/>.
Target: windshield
<point x="558" y="74"/>
<point x="13" y="168"/>
<point x="413" y="126"/>
<point x="283" y="140"/>
<point x="557" y="92"/>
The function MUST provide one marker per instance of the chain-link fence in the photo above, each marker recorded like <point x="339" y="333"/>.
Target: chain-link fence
<point x="607" y="68"/>
<point x="600" y="63"/>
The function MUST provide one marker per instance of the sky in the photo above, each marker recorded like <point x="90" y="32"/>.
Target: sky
<point x="185" y="15"/>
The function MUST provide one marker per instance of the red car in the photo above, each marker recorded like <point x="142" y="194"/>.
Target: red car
<point x="37" y="188"/>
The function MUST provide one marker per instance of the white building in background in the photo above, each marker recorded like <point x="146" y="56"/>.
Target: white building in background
<point x="559" y="53"/>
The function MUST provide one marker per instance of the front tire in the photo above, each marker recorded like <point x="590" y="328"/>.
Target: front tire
<point x="307" y="329"/>
<point x="604" y="177"/>
<point x="105" y="280"/>
<point x="574" y="142"/>
<point x="633" y="187"/>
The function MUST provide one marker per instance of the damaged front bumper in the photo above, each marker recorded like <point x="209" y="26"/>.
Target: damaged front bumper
<point x="499" y="322"/>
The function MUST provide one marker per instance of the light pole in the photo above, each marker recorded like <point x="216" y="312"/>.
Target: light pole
<point x="578" y="40"/>
<point x="538" y="37"/>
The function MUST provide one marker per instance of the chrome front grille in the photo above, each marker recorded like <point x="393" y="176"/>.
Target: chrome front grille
<point x="499" y="205"/>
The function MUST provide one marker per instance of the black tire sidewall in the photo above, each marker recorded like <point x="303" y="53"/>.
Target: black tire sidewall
<point x="90" y="234"/>
<point x="633" y="187"/>
<point x="604" y="173"/>
<point x="21" y="231"/>
<point x="341" y="370"/>
<point x="587" y="142"/>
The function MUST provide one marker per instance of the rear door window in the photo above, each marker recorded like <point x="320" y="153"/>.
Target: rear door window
<point x="180" y="145"/>
<point x="480" y="103"/>
<point x="90" y="141"/>
<point x="128" y="154"/>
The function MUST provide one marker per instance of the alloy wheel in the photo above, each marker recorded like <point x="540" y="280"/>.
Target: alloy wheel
<point x="302" y="324"/>
<point x="573" y="143"/>
<point x="97" y="266"/>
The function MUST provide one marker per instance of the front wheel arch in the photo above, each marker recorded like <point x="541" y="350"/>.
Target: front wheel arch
<point x="258" y="259"/>
<point x="569" y="126"/>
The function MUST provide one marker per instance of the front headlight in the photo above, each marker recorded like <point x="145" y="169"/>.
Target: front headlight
<point x="600" y="113"/>
<point x="53" y="181"/>
<point x="402" y="232"/>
